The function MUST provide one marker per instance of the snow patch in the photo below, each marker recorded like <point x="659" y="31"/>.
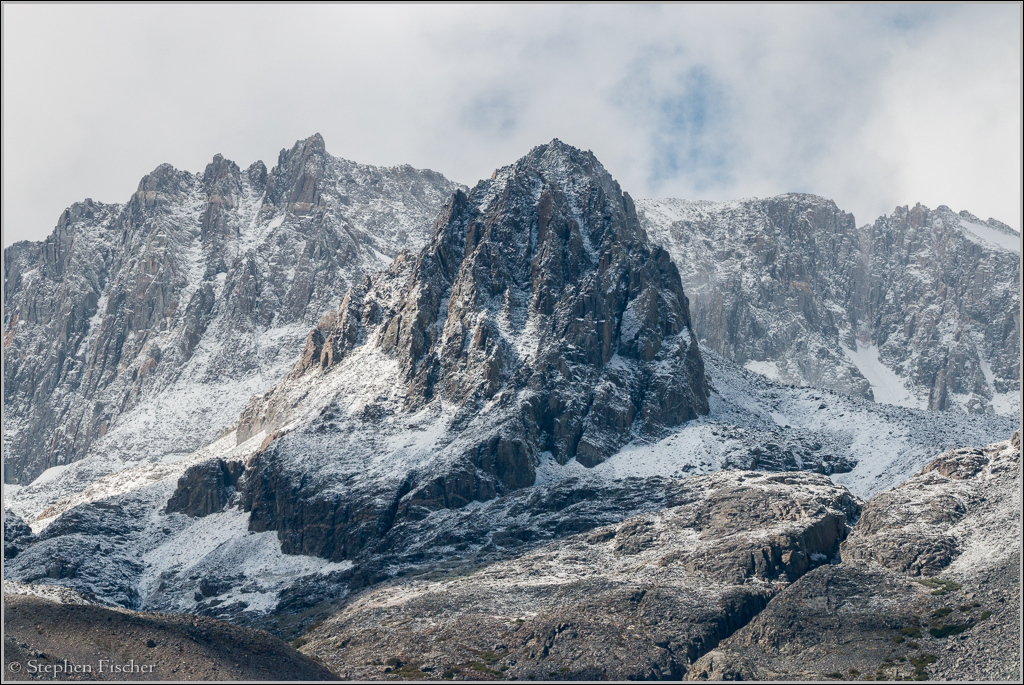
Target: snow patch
<point x="97" y="318"/>
<point x="220" y="545"/>
<point x="766" y="369"/>
<point x="692" y="450"/>
<point x="53" y="593"/>
<point x="990" y="237"/>
<point x="49" y="475"/>
<point x="385" y="259"/>
<point x="1003" y="403"/>
<point x="887" y="387"/>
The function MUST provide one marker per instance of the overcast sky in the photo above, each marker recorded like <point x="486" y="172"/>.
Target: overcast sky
<point x="873" y="106"/>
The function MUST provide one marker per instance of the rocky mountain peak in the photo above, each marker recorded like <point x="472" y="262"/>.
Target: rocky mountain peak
<point x="538" y="325"/>
<point x="222" y="184"/>
<point x="531" y="216"/>
<point x="540" y="288"/>
<point x="167" y="180"/>
<point x="919" y="308"/>
<point x="578" y="178"/>
<point x="204" y="279"/>
<point x="257" y="174"/>
<point x="222" y="177"/>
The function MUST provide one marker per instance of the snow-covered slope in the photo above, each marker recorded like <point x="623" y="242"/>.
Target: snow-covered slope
<point x="921" y="308"/>
<point x="216" y="564"/>
<point x="139" y="331"/>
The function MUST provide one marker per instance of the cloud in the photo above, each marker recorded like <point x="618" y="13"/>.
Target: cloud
<point x="692" y="134"/>
<point x="872" y="106"/>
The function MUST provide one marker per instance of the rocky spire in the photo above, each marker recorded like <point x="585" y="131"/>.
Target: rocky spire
<point x="541" y="285"/>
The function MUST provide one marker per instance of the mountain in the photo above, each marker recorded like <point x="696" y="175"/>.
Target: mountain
<point x="529" y="374"/>
<point x="535" y="334"/>
<point x="921" y="308"/>
<point x="537" y="324"/>
<point x="140" y="330"/>
<point x="522" y="397"/>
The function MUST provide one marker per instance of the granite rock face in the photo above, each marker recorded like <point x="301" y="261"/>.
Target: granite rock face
<point x="150" y="323"/>
<point x="928" y="588"/>
<point x="510" y="429"/>
<point x="538" y="319"/>
<point x="642" y="599"/>
<point x="921" y="308"/>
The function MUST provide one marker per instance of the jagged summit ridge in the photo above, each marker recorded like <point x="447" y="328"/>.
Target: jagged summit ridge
<point x="920" y="308"/>
<point x="147" y="325"/>
<point x="541" y="266"/>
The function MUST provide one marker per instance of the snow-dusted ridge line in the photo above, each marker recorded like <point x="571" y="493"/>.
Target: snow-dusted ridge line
<point x="790" y="285"/>
<point x="212" y="279"/>
<point x="991" y="236"/>
<point x="888" y="443"/>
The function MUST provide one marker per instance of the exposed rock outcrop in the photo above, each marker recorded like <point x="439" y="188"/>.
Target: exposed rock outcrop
<point x="928" y="588"/>
<point x="205" y="488"/>
<point x="17" y="534"/>
<point x="639" y="600"/>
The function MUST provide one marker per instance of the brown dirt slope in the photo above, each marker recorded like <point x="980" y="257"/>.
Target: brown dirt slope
<point x="48" y="640"/>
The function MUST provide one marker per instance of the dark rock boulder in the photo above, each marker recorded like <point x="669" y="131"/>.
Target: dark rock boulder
<point x="205" y="488"/>
<point x="311" y="521"/>
<point x="17" y="534"/>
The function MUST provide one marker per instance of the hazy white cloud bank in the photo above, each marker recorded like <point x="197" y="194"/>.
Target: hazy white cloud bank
<point x="871" y="106"/>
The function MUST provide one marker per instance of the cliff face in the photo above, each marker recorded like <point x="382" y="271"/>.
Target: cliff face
<point x="944" y="307"/>
<point x="538" y="320"/>
<point x="150" y="323"/>
<point x="920" y="308"/>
